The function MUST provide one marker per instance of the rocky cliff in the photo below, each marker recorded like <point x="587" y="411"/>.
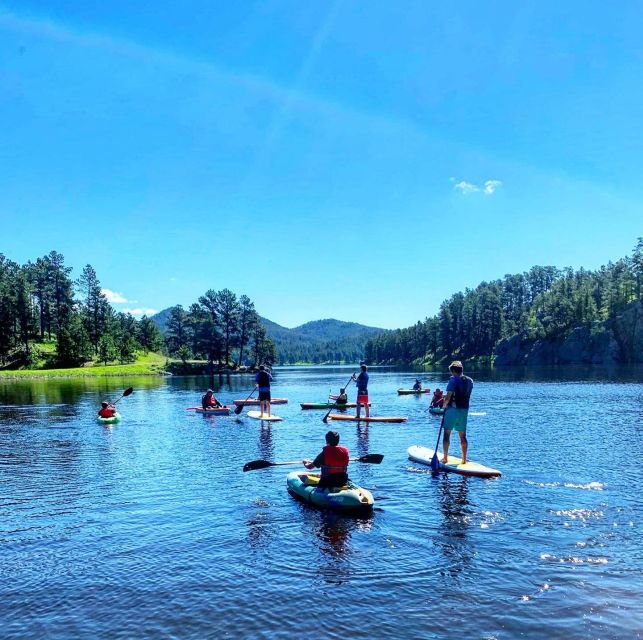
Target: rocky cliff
<point x="615" y="341"/>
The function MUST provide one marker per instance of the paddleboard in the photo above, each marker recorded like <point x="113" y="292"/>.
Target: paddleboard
<point x="339" y="416"/>
<point x="257" y="415"/>
<point x="255" y="402"/>
<point x="423" y="455"/>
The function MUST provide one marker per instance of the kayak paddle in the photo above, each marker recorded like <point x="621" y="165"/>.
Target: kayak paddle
<point x="239" y="408"/>
<point x="325" y="418"/>
<point x="435" y="465"/>
<point x="371" y="458"/>
<point x="127" y="392"/>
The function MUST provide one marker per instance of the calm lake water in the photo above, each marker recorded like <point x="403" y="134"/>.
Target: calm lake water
<point x="149" y="528"/>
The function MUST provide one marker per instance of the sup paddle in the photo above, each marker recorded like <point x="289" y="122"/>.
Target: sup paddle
<point x="371" y="458"/>
<point x="239" y="408"/>
<point x="325" y="418"/>
<point x="435" y="465"/>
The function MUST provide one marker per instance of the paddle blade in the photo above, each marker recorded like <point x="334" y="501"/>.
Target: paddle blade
<point x="435" y="465"/>
<point x="128" y="392"/>
<point x="325" y="418"/>
<point x="238" y="409"/>
<point x="371" y="458"/>
<point x="257" y="464"/>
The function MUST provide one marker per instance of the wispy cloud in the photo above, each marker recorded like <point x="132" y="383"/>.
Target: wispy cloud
<point x="113" y="297"/>
<point x="489" y="187"/>
<point x="141" y="311"/>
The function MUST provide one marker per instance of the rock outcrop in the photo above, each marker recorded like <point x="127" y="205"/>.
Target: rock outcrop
<point x="616" y="341"/>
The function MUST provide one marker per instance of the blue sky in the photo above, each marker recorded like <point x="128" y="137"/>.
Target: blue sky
<point x="342" y="159"/>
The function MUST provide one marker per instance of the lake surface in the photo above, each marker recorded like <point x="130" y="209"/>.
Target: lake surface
<point x="149" y="528"/>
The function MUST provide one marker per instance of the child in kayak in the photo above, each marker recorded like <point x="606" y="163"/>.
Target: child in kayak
<point x="437" y="400"/>
<point x="333" y="461"/>
<point x="417" y="386"/>
<point x="208" y="401"/>
<point x="342" y="398"/>
<point x="106" y="410"/>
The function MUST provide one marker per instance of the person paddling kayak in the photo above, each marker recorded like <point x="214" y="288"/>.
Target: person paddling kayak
<point x="417" y="386"/>
<point x="106" y="410"/>
<point x="342" y="398"/>
<point x="333" y="461"/>
<point x="456" y="409"/>
<point x="262" y="380"/>
<point x="361" y="382"/>
<point x="437" y="400"/>
<point x="208" y="401"/>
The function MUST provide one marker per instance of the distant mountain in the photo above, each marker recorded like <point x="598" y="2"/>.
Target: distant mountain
<point x="317" y="341"/>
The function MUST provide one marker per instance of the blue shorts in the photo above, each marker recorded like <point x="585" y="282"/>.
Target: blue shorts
<point x="456" y="419"/>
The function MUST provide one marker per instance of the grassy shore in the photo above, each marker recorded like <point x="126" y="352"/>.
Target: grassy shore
<point x="150" y="364"/>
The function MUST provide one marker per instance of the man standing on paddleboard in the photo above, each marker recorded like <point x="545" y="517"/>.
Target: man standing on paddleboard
<point x="456" y="409"/>
<point x="361" y="382"/>
<point x="262" y="380"/>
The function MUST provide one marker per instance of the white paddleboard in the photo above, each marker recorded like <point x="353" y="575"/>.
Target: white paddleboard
<point x="423" y="455"/>
<point x="257" y="415"/>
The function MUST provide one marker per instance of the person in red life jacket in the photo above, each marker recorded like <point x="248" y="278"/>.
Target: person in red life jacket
<point x="333" y="461"/>
<point x="437" y="400"/>
<point x="107" y="410"/>
<point x="208" y="401"/>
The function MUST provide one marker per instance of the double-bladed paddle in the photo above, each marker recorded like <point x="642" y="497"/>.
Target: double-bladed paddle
<point x="371" y="458"/>
<point x="325" y="418"/>
<point x="239" y="408"/>
<point x="127" y="392"/>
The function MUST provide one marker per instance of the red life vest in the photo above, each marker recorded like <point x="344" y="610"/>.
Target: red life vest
<point x="335" y="460"/>
<point x="107" y="412"/>
<point x="210" y="401"/>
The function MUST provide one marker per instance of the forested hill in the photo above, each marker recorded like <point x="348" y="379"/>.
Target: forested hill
<point x="319" y="341"/>
<point x="544" y="316"/>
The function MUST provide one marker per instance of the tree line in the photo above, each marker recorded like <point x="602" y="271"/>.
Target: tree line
<point x="219" y="328"/>
<point x="41" y="303"/>
<point x="545" y="302"/>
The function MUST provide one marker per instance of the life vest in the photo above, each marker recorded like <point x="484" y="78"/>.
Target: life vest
<point x="210" y="401"/>
<point x="108" y="412"/>
<point x="462" y="392"/>
<point x="335" y="460"/>
<point x="342" y="399"/>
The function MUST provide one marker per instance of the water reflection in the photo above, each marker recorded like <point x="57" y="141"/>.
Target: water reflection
<point x="266" y="446"/>
<point x="453" y="501"/>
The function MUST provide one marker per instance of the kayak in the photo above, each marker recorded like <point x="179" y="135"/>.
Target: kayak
<point x="436" y="411"/>
<point x="348" y="499"/>
<point x="339" y="416"/>
<point x="423" y="455"/>
<point x="219" y="411"/>
<point x="115" y="418"/>
<point x="257" y="415"/>
<point x="409" y="392"/>
<point x="328" y="405"/>
<point x="255" y="403"/>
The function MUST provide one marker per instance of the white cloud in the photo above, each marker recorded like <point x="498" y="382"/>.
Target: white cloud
<point x="140" y="311"/>
<point x="491" y="185"/>
<point x="466" y="187"/>
<point x="113" y="297"/>
<point x="488" y="188"/>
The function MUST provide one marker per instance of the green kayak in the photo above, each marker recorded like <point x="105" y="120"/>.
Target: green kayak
<point x="328" y="405"/>
<point x="115" y="418"/>
<point x="348" y="499"/>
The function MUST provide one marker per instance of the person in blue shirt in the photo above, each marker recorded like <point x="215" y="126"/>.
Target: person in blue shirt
<point x="456" y="409"/>
<point x="361" y="382"/>
<point x="418" y="385"/>
<point x="262" y="381"/>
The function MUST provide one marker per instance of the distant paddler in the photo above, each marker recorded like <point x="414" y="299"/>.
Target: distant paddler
<point x="361" y="382"/>
<point x="418" y="385"/>
<point x="262" y="382"/>
<point x="342" y="398"/>
<point x="437" y="400"/>
<point x="456" y="409"/>
<point x="107" y="410"/>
